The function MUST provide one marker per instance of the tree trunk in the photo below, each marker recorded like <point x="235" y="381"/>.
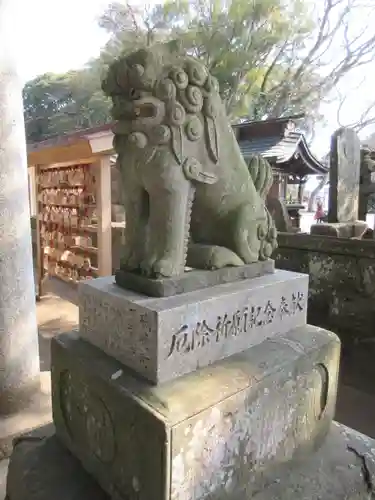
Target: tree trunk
<point x="322" y="182"/>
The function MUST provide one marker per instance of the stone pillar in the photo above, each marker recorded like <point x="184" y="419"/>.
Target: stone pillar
<point x="344" y="176"/>
<point x="19" y="356"/>
<point x="104" y="209"/>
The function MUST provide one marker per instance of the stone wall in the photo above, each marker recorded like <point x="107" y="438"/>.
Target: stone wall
<point x="342" y="281"/>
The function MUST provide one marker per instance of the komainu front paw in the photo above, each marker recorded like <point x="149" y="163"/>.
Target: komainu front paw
<point x="146" y="265"/>
<point x="167" y="267"/>
<point x="211" y="257"/>
<point x="129" y="262"/>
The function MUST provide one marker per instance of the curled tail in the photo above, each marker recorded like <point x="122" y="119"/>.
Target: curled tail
<point x="261" y="173"/>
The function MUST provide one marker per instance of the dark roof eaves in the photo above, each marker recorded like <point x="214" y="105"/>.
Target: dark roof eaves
<point x="282" y="119"/>
<point x="65" y="140"/>
<point x="315" y="164"/>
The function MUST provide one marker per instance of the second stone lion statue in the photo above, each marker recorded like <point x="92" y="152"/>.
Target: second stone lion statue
<point x="190" y="198"/>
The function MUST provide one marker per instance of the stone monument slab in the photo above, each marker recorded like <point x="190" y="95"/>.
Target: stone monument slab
<point x="344" y="176"/>
<point x="165" y="338"/>
<point x="218" y="431"/>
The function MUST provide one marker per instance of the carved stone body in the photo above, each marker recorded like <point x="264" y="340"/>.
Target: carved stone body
<point x="188" y="192"/>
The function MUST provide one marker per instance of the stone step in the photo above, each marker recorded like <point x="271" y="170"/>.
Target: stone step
<point x="342" y="469"/>
<point x="37" y="413"/>
<point x="41" y="468"/>
<point x="216" y="430"/>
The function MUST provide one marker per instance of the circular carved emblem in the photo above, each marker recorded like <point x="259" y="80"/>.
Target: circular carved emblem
<point x="324" y="376"/>
<point x="100" y="430"/>
<point x="67" y="400"/>
<point x="87" y="418"/>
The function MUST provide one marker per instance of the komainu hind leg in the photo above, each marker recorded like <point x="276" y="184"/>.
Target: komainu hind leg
<point x="201" y="256"/>
<point x="255" y="235"/>
<point x="254" y="238"/>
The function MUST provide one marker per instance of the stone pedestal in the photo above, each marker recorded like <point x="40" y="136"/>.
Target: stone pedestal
<point x="219" y="430"/>
<point x="211" y="393"/>
<point x="197" y="394"/>
<point x="19" y="358"/>
<point x="163" y="338"/>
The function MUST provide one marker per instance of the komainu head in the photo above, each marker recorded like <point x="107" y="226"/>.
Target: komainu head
<point x="156" y="89"/>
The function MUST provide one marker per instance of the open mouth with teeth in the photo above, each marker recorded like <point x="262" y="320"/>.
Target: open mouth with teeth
<point x="145" y="109"/>
<point x="148" y="111"/>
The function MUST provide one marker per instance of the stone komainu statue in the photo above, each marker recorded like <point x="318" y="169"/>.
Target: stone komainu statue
<point x="189" y="196"/>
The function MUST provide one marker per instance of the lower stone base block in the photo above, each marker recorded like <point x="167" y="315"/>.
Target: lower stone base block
<point x="342" y="469"/>
<point x="219" y="431"/>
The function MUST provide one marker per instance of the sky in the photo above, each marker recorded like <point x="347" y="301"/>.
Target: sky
<point x="59" y="38"/>
<point x="63" y="38"/>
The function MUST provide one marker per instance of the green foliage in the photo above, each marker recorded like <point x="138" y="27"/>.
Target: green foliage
<point x="58" y="104"/>
<point x="272" y="58"/>
<point x="238" y="40"/>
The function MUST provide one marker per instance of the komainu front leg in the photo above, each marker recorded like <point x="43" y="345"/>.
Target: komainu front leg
<point x="136" y="215"/>
<point x="170" y="211"/>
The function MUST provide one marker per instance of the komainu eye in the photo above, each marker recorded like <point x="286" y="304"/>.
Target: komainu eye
<point x="134" y="94"/>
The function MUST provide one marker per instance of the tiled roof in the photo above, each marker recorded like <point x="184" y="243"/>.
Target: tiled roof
<point x="270" y="147"/>
<point x="261" y="123"/>
<point x="282" y="150"/>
